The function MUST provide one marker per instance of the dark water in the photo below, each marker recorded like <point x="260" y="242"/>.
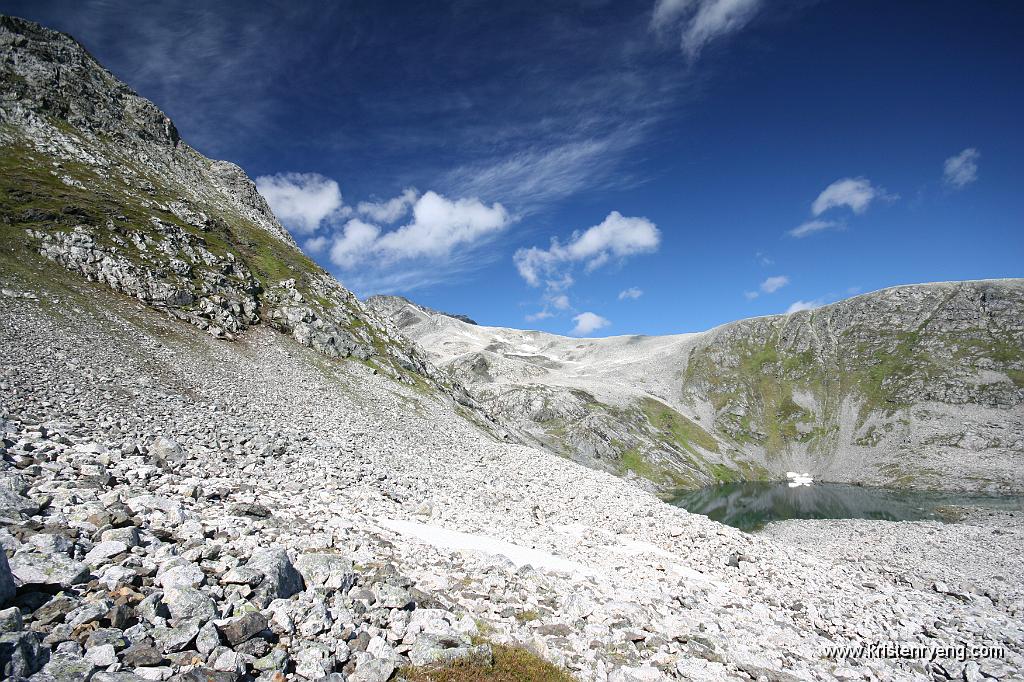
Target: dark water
<point x="749" y="506"/>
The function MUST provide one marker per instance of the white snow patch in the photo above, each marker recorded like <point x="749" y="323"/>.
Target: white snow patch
<point x="796" y="480"/>
<point x="485" y="544"/>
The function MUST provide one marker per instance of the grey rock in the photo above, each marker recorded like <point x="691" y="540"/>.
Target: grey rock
<point x="314" y="661"/>
<point x="332" y="571"/>
<point x="104" y="551"/>
<point x="34" y="568"/>
<point x="10" y="620"/>
<point x="171" y="640"/>
<point x="281" y="580"/>
<point x="68" y="668"/>
<point x="189" y="603"/>
<point x="242" y="628"/>
<point x="142" y="654"/>
<point x="20" y="654"/>
<point x="7" y="587"/>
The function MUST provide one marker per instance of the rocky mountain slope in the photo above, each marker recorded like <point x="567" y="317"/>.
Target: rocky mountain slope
<point x="216" y="465"/>
<point x="97" y="179"/>
<point x="918" y="386"/>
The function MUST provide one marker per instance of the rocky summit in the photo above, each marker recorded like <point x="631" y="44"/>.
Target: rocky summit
<point x="218" y="464"/>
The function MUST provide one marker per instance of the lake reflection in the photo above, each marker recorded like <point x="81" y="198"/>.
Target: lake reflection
<point x="749" y="506"/>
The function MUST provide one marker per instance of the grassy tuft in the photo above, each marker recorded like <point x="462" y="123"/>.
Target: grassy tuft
<point x="511" y="664"/>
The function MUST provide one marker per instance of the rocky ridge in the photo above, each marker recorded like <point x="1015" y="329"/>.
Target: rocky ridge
<point x="913" y="386"/>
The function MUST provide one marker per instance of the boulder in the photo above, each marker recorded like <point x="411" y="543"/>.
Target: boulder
<point x="280" y="579"/>
<point x="36" y="568"/>
<point x="332" y="571"/>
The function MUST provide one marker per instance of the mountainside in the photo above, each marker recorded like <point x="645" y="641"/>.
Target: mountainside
<point x="217" y="465"/>
<point x="914" y="386"/>
<point x="97" y="179"/>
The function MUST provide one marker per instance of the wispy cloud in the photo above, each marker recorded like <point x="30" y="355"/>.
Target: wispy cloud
<point x="702" y="21"/>
<point x="532" y="177"/>
<point x="631" y="293"/>
<point x="587" y="323"/>
<point x="962" y="169"/>
<point x="812" y="226"/>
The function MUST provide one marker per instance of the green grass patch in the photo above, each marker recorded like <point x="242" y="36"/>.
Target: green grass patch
<point x="511" y="664"/>
<point x="677" y="428"/>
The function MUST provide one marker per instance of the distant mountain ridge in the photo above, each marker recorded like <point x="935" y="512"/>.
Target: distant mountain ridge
<point x="918" y="386"/>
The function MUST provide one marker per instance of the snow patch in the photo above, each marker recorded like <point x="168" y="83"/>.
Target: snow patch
<point x="485" y="544"/>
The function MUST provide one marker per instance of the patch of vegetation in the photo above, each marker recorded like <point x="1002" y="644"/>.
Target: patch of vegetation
<point x="527" y="616"/>
<point x="511" y="664"/>
<point x="677" y="428"/>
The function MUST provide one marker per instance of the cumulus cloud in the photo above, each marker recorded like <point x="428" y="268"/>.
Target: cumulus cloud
<point x="300" y="200"/>
<point x="855" y="193"/>
<point x="630" y="293"/>
<point x="616" y="237"/>
<point x="587" y="323"/>
<point x="702" y="21"/>
<point x="354" y="243"/>
<point x="438" y="226"/>
<point x="812" y="226"/>
<point x="389" y="211"/>
<point x="961" y="170"/>
<point x="797" y="306"/>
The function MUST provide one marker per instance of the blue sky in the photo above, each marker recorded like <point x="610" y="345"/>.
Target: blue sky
<point x="603" y="167"/>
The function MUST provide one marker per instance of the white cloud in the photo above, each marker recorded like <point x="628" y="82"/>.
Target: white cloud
<point x="560" y="302"/>
<point x="702" y="21"/>
<point x="541" y="315"/>
<point x="773" y="284"/>
<point x="588" y="322"/>
<point x="300" y="200"/>
<point x="797" y="306"/>
<point x="630" y="293"/>
<point x="355" y="241"/>
<point x="856" y="193"/>
<point x="316" y="245"/>
<point x="389" y="211"/>
<point x="962" y="169"/>
<point x="769" y="286"/>
<point x="616" y="237"/>
<point x="438" y="226"/>
<point x="812" y="226"/>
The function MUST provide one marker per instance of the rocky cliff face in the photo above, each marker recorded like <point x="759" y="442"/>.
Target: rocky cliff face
<point x="97" y="179"/>
<point x="918" y="386"/>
